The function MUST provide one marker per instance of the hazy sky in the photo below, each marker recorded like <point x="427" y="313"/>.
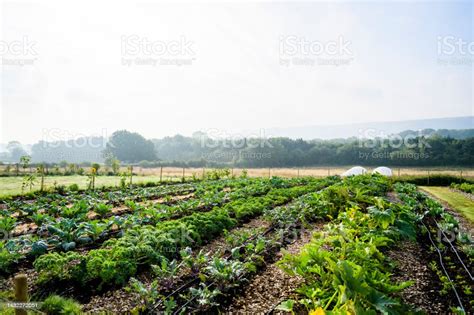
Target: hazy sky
<point x="247" y="65"/>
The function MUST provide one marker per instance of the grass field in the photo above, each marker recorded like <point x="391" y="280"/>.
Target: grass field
<point x="311" y="171"/>
<point x="456" y="200"/>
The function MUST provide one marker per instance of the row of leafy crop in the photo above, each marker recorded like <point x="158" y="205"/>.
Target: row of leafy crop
<point x="119" y="259"/>
<point x="211" y="278"/>
<point x="344" y="267"/>
<point x="53" y="203"/>
<point x="429" y="208"/>
<point x="218" y="276"/>
<point x="453" y="249"/>
<point x="465" y="187"/>
<point x="88" y="209"/>
<point x="67" y="233"/>
<point x="94" y="206"/>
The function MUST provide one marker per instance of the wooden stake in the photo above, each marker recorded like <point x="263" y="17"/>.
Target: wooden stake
<point x="42" y="177"/>
<point x="183" y="174"/>
<point x="298" y="173"/>
<point x="21" y="292"/>
<point x="203" y="172"/>
<point x="131" y="175"/>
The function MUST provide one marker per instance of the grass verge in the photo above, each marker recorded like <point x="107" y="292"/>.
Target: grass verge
<point x="455" y="200"/>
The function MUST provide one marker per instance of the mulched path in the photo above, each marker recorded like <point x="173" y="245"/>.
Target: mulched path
<point x="272" y="286"/>
<point x="412" y="264"/>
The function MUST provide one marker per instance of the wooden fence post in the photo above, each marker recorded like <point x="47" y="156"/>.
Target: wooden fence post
<point x="42" y="178"/>
<point x="398" y="172"/>
<point x="269" y="172"/>
<point x="298" y="173"/>
<point x="329" y="171"/>
<point x="183" y="175"/>
<point x="161" y="173"/>
<point x="21" y="292"/>
<point x="203" y="172"/>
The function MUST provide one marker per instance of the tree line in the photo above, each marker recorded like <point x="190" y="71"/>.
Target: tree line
<point x="406" y="149"/>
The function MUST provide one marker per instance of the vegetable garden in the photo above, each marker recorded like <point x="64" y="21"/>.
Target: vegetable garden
<point x="179" y="248"/>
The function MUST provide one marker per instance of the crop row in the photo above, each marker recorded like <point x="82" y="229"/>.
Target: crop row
<point x="464" y="187"/>
<point x="113" y="197"/>
<point x="69" y="232"/>
<point x="118" y="259"/>
<point x="218" y="276"/>
<point x="453" y="250"/>
<point x="344" y="267"/>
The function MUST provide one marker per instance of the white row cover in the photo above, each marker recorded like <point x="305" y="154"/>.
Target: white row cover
<point x="382" y="170"/>
<point x="356" y="170"/>
<point x="359" y="170"/>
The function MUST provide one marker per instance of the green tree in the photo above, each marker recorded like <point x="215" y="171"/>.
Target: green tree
<point x="15" y="150"/>
<point x="130" y="147"/>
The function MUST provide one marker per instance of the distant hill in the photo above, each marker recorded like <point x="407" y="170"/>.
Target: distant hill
<point x="446" y="133"/>
<point x="372" y="128"/>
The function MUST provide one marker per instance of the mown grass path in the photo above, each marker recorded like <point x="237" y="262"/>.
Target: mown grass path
<point x="455" y="200"/>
